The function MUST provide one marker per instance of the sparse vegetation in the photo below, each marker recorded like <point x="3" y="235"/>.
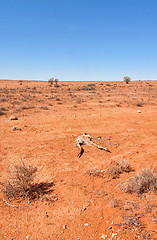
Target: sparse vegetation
<point x="52" y="148"/>
<point x="27" y="107"/>
<point x="131" y="221"/>
<point x="115" y="203"/>
<point x="113" y="170"/>
<point x="127" y="79"/>
<point x="51" y="80"/>
<point x="20" y="82"/>
<point x="140" y="104"/>
<point x="96" y="172"/>
<point x="21" y="184"/>
<point x="56" y="80"/>
<point x="89" y="87"/>
<point x="117" y="168"/>
<point x="44" y="108"/>
<point x="141" y="182"/>
<point x="2" y="112"/>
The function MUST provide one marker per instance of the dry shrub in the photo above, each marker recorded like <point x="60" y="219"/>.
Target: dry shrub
<point x="142" y="182"/>
<point x="117" y="168"/>
<point x="116" y="203"/>
<point x="3" y="99"/>
<point x="124" y="166"/>
<point x="140" y="104"/>
<point x="21" y="185"/>
<point x="44" y="108"/>
<point x="21" y="182"/>
<point x="89" y="87"/>
<point x="2" y="112"/>
<point x="51" y="80"/>
<point x="27" y="107"/>
<point x="146" y="235"/>
<point x="57" y="85"/>
<point x="127" y="79"/>
<point x="113" y="171"/>
<point x="131" y="221"/>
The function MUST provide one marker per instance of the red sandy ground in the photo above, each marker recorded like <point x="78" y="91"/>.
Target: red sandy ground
<point x="90" y="206"/>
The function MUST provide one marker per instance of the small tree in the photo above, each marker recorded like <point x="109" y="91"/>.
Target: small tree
<point x="51" y="80"/>
<point x="126" y="79"/>
<point x="56" y="80"/>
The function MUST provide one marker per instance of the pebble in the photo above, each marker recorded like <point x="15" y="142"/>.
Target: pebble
<point x="103" y="236"/>
<point x="13" y="118"/>
<point x="138" y="111"/>
<point x="114" y="235"/>
<point x="15" y="128"/>
<point x="64" y="227"/>
<point x="86" y="224"/>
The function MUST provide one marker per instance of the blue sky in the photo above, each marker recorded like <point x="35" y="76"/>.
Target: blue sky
<point x="78" y="39"/>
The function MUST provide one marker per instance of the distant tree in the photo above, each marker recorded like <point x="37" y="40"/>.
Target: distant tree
<point x="51" y="80"/>
<point x="56" y="80"/>
<point x="127" y="79"/>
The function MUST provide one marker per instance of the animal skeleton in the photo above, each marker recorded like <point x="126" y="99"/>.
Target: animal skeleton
<point x="87" y="139"/>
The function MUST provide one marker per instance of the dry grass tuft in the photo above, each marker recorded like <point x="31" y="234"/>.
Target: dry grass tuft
<point x="141" y="183"/>
<point x="2" y="111"/>
<point x="21" y="184"/>
<point x="131" y="221"/>
<point x="116" y="168"/>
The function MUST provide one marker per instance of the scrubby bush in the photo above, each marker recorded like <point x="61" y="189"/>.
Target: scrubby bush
<point x="1" y="112"/>
<point x="51" y="80"/>
<point x="127" y="79"/>
<point x="141" y="182"/>
<point x="20" y="183"/>
<point x="56" y="80"/>
<point x="131" y="221"/>
<point x="117" y="168"/>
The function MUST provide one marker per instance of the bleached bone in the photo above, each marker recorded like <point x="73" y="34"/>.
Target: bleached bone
<point x="86" y="139"/>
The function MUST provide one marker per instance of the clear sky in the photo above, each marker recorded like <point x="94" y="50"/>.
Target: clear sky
<point x="78" y="39"/>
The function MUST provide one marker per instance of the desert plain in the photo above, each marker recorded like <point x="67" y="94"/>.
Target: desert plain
<point x="84" y="198"/>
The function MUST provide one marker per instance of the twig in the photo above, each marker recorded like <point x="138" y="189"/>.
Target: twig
<point x="14" y="205"/>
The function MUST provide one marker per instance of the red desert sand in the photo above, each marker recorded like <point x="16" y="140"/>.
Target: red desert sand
<point x="99" y="195"/>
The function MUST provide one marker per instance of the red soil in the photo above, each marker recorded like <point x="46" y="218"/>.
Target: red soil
<point x="50" y="119"/>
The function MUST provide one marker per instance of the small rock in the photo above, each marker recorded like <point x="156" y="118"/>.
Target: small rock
<point x="86" y="224"/>
<point x="13" y="118"/>
<point x="114" y="235"/>
<point x="16" y="128"/>
<point x="64" y="227"/>
<point x="103" y="236"/>
<point x="138" y="111"/>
